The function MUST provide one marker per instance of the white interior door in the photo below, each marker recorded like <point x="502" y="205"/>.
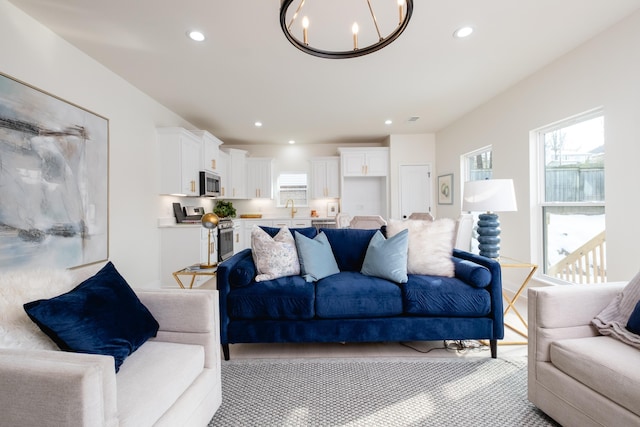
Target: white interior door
<point x="415" y="189"/>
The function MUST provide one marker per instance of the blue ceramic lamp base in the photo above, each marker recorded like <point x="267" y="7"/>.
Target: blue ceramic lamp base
<point x="489" y="235"/>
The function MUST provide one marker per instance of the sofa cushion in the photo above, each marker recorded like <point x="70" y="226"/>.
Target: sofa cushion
<point x="287" y="298"/>
<point x="351" y="294"/>
<point x="309" y="232"/>
<point x="444" y="296"/>
<point x="387" y="258"/>
<point x="153" y="378"/>
<point x="102" y="315"/>
<point x="349" y="246"/>
<point x="430" y="245"/>
<point x="316" y="258"/>
<point x="274" y="257"/>
<point x="604" y="364"/>
<point x="472" y="273"/>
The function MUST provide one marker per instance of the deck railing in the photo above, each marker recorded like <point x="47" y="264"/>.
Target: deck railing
<point x="584" y="265"/>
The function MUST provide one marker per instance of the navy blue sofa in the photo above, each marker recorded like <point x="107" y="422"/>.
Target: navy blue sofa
<point x="352" y="307"/>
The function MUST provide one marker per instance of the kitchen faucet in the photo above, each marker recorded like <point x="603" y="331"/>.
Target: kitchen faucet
<point x="293" y="210"/>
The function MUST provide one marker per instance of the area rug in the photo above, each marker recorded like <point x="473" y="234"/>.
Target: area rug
<point x="377" y="392"/>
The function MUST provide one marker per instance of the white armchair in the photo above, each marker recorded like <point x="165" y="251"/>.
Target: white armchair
<point x="173" y="379"/>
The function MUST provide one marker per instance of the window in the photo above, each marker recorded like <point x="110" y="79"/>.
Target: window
<point x="573" y="200"/>
<point x="476" y="165"/>
<point x="292" y="186"/>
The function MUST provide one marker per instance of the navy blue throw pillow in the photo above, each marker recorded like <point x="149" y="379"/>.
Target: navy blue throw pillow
<point x="102" y="315"/>
<point x="633" y="324"/>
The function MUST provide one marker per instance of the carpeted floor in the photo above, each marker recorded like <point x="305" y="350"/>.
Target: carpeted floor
<point x="377" y="392"/>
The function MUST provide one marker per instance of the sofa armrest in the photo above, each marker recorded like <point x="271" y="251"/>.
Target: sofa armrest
<point x="186" y="316"/>
<point x="57" y="388"/>
<point x="563" y="312"/>
<point x="494" y="287"/>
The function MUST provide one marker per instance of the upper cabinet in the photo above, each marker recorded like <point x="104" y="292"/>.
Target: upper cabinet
<point x="179" y="161"/>
<point x="370" y="161"/>
<point x="236" y="186"/>
<point x="223" y="168"/>
<point x="259" y="178"/>
<point x="325" y="177"/>
<point x="210" y="149"/>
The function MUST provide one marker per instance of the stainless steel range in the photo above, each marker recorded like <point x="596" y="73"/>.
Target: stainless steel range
<point x="225" y="239"/>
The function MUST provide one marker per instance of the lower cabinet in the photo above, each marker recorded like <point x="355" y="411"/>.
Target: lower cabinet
<point x="247" y="226"/>
<point x="182" y="246"/>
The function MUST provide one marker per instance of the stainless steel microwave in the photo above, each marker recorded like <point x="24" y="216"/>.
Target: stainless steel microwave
<point x="209" y="184"/>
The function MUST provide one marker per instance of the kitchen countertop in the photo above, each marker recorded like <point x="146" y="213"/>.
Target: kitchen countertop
<point x="170" y="221"/>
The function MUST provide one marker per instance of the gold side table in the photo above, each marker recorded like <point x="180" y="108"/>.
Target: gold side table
<point x="506" y="262"/>
<point x="193" y="271"/>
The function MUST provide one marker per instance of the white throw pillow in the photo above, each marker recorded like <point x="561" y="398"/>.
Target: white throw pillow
<point x="430" y="245"/>
<point x="274" y="256"/>
<point x="18" y="288"/>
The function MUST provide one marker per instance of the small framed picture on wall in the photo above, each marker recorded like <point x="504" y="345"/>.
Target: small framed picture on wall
<point x="332" y="209"/>
<point x="445" y="189"/>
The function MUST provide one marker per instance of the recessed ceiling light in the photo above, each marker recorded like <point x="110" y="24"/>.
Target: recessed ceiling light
<point x="258" y="124"/>
<point x="291" y="141"/>
<point x="463" y="32"/>
<point x="388" y="122"/>
<point x="195" y="35"/>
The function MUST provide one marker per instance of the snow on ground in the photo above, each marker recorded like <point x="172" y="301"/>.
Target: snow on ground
<point x="566" y="233"/>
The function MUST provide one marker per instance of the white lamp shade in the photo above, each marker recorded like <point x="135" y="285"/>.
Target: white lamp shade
<point x="489" y="195"/>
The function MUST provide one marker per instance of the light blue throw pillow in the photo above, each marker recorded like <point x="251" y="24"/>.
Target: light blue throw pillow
<point x="316" y="257"/>
<point x="387" y="258"/>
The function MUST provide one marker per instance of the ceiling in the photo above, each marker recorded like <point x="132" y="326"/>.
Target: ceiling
<point x="246" y="71"/>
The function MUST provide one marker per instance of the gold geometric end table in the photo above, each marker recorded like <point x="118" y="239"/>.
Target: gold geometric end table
<point x="506" y="262"/>
<point x="193" y="271"/>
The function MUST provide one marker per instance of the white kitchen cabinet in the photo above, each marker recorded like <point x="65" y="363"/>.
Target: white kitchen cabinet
<point x="371" y="161"/>
<point x="259" y="178"/>
<point x="210" y="149"/>
<point x="179" y="161"/>
<point x="223" y="168"/>
<point x="180" y="247"/>
<point x="325" y="177"/>
<point x="236" y="186"/>
<point x="238" y="237"/>
<point x="291" y="223"/>
<point x="247" y="226"/>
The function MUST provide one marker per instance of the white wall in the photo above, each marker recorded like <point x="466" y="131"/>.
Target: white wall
<point x="418" y="149"/>
<point x="35" y="55"/>
<point x="603" y="72"/>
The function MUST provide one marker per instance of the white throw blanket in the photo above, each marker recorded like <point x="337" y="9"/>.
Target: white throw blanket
<point x="613" y="319"/>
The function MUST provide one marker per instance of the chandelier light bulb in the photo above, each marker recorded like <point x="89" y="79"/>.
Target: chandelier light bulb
<point x="355" y="30"/>
<point x="305" y="26"/>
<point x="400" y="12"/>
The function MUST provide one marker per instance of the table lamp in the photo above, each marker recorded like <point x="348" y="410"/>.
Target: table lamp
<point x="210" y="222"/>
<point x="490" y="196"/>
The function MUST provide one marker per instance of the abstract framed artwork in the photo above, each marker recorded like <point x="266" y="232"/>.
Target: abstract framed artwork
<point x="445" y="189"/>
<point x="54" y="180"/>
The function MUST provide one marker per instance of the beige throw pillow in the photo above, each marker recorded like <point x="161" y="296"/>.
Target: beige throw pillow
<point x="430" y="245"/>
<point x="276" y="256"/>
